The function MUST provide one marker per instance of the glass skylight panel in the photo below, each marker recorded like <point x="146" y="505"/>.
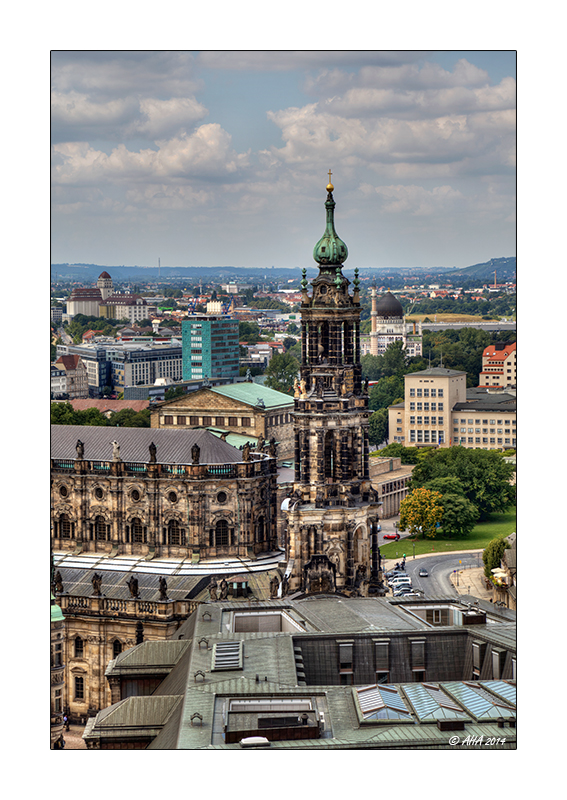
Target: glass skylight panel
<point x="381" y="702"/>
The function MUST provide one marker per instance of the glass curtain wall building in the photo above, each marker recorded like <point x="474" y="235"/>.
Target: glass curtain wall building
<point x="210" y="348"/>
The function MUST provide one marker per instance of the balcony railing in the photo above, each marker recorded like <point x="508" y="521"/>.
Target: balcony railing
<point x="134" y="607"/>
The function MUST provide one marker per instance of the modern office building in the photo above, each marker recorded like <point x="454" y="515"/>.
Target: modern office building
<point x="438" y="410"/>
<point x="210" y="347"/>
<point x="120" y="364"/>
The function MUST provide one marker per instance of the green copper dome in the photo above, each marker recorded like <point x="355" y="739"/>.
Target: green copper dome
<point x="330" y="250"/>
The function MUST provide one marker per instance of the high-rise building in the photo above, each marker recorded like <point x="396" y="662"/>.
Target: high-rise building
<point x="210" y="347"/>
<point x="332" y="514"/>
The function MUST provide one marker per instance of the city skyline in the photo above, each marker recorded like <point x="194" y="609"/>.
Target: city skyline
<point x="222" y="157"/>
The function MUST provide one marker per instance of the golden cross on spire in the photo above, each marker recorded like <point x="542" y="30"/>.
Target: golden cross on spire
<point x="330" y="186"/>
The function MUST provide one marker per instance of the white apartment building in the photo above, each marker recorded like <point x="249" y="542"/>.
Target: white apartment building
<point x="498" y="366"/>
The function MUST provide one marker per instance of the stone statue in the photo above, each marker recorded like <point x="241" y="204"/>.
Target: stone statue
<point x="303" y="389"/>
<point x="162" y="588"/>
<point x="97" y="583"/>
<point x="223" y="436"/>
<point x="246" y="452"/>
<point x="295" y="387"/>
<point x="249" y="376"/>
<point x="195" y="453"/>
<point x="213" y="589"/>
<point x="115" y="451"/>
<point x="272" y="449"/>
<point x="58" y="583"/>
<point x="80" y="447"/>
<point x="260" y="444"/>
<point x="223" y="589"/>
<point x="133" y="586"/>
<point x="319" y="388"/>
<point x="274" y="586"/>
<point x="153" y="452"/>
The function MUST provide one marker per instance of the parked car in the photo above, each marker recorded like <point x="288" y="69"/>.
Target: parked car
<point x="423" y="573"/>
<point x="399" y="584"/>
<point x="395" y="536"/>
<point x="404" y="590"/>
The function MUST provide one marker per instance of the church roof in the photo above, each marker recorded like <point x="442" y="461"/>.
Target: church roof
<point x="247" y="392"/>
<point x="173" y="446"/>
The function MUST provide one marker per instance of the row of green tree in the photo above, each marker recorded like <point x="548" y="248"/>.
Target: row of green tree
<point x="454" y="488"/>
<point x="65" y="414"/>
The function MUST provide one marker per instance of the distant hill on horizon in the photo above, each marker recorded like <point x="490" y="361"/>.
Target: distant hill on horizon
<point x="505" y="269"/>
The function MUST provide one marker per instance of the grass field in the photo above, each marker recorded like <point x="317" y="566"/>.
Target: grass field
<point x="496" y="525"/>
<point x="447" y="318"/>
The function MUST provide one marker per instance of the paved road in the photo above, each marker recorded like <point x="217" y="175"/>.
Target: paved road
<point x="439" y="568"/>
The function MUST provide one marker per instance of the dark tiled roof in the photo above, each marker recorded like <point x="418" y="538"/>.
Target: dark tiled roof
<point x="173" y="447"/>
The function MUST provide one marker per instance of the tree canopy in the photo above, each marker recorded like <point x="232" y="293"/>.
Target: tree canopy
<point x="492" y="555"/>
<point x="484" y="475"/>
<point x="420" y="512"/>
<point x="65" y="414"/>
<point x="281" y="372"/>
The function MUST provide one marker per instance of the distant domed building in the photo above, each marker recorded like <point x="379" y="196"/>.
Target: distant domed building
<point x="389" y="325"/>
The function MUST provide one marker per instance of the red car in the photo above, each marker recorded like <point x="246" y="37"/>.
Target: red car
<point x="395" y="536"/>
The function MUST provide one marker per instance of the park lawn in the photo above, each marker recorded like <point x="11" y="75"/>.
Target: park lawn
<point x="497" y="525"/>
<point x="448" y="318"/>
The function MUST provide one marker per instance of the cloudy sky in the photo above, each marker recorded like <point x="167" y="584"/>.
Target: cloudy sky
<point x="221" y="157"/>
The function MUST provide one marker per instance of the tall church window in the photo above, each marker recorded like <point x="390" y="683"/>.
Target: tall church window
<point x="221" y="533"/>
<point x="175" y="534"/>
<point x="101" y="529"/>
<point x="330" y="456"/>
<point x="79" y="647"/>
<point x="138" y="530"/>
<point x="65" y="528"/>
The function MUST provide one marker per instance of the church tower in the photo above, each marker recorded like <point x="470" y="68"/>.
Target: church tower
<point x="332" y="514"/>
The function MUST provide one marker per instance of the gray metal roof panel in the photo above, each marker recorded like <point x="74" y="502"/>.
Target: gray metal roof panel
<point x="173" y="446"/>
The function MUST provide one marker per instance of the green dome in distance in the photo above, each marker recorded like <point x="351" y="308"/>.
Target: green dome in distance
<point x="330" y="250"/>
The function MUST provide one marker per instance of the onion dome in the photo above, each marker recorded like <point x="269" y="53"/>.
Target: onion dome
<point x="330" y="250"/>
<point x="389" y="306"/>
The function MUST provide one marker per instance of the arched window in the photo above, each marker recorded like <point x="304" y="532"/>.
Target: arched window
<point x="65" y="528"/>
<point x="79" y="647"/>
<point x="330" y="456"/>
<point x="101" y="529"/>
<point x="221" y="533"/>
<point x="175" y="534"/>
<point x="138" y="530"/>
<point x="116" y="648"/>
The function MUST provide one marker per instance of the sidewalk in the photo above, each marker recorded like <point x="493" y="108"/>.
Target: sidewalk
<point x="74" y="738"/>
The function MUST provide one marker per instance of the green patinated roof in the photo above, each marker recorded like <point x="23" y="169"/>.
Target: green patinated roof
<point x="56" y="613"/>
<point x="250" y="393"/>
